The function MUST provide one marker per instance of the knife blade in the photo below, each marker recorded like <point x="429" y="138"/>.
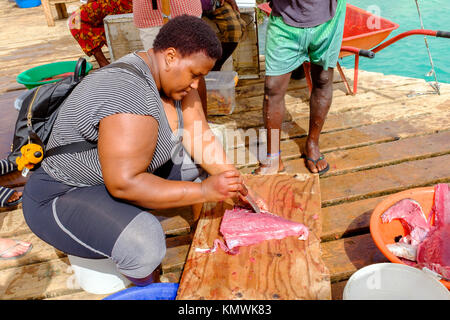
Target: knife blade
<point x="252" y="202"/>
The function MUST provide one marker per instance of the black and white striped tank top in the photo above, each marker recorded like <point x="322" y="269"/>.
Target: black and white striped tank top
<point x="103" y="93"/>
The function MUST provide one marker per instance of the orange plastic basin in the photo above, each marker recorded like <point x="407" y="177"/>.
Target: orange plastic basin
<point x="385" y="233"/>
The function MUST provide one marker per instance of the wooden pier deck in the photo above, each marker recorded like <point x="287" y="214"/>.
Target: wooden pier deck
<point x="385" y="139"/>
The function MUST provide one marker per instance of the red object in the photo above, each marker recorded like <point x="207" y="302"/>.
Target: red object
<point x="434" y="251"/>
<point x="59" y="76"/>
<point x="362" y="31"/>
<point x="242" y="227"/>
<point x="412" y="217"/>
<point x="385" y="233"/>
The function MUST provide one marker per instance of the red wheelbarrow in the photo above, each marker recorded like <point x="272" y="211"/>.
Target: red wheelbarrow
<point x="363" y="33"/>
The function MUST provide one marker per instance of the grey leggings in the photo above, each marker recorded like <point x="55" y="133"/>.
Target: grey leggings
<point x="88" y="222"/>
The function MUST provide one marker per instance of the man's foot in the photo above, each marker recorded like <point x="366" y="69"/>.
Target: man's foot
<point x="271" y="166"/>
<point x="13" y="249"/>
<point x="315" y="160"/>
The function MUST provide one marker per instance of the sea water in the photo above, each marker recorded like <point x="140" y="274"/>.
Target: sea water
<point x="409" y="56"/>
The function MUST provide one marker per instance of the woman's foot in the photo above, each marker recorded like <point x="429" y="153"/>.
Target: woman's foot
<point x="13" y="249"/>
<point x="9" y="197"/>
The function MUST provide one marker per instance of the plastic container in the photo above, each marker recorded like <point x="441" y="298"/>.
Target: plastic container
<point x="28" y="3"/>
<point x="98" y="276"/>
<point x="221" y="95"/>
<point x="35" y="76"/>
<point x="385" y="233"/>
<point x="393" y="281"/>
<point x="154" y="291"/>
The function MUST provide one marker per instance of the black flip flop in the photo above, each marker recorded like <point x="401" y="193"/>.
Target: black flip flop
<point x="5" y="195"/>
<point x="322" y="157"/>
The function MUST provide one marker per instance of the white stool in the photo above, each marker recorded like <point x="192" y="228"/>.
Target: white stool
<point x="98" y="276"/>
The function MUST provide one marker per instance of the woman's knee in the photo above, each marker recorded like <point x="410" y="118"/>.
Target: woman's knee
<point x="141" y="247"/>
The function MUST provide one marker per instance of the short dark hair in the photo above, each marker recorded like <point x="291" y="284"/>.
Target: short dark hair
<point x="188" y="35"/>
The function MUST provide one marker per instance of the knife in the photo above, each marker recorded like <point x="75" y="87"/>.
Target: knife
<point x="252" y="203"/>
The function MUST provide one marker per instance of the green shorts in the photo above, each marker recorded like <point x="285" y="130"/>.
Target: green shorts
<point x="287" y="47"/>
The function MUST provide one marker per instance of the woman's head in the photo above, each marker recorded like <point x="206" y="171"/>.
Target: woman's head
<point x="189" y="48"/>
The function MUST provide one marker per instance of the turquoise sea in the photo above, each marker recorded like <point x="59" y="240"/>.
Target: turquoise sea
<point x="408" y="56"/>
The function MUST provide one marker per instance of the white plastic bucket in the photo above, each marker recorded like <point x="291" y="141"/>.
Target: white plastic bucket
<point x="98" y="276"/>
<point x="393" y="281"/>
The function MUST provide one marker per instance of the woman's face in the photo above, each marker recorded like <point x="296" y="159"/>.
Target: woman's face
<point x="182" y="74"/>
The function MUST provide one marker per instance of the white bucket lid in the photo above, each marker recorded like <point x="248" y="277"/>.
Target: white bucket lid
<point x="393" y="281"/>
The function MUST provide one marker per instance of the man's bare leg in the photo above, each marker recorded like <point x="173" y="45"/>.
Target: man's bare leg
<point x="320" y="102"/>
<point x="273" y="112"/>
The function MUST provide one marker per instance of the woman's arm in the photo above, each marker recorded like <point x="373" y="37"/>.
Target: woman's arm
<point x="126" y="144"/>
<point x="199" y="140"/>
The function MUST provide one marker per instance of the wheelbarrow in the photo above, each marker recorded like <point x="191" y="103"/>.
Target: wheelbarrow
<point x="363" y="34"/>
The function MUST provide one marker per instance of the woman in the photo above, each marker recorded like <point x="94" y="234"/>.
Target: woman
<point x="92" y="203"/>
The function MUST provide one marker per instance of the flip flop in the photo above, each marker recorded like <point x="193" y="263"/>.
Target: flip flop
<point x="322" y="157"/>
<point x="5" y="195"/>
<point x="11" y="248"/>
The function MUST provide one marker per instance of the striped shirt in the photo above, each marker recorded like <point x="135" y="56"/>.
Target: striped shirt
<point x="145" y="17"/>
<point x="103" y="93"/>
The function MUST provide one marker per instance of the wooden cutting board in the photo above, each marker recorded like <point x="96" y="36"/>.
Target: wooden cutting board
<point x="276" y="269"/>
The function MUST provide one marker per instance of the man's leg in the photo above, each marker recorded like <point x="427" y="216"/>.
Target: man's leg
<point x="319" y="104"/>
<point x="273" y="112"/>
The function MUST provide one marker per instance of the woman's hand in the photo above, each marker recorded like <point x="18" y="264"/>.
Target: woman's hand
<point x="222" y="186"/>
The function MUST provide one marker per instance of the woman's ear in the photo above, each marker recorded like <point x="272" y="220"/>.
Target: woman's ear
<point x="170" y="57"/>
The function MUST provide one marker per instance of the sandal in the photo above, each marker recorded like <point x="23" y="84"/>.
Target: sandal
<point x="5" y="195"/>
<point x="322" y="157"/>
<point x="13" y="247"/>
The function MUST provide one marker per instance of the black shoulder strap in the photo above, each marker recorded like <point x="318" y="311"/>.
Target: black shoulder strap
<point x="154" y="5"/>
<point x="87" y="145"/>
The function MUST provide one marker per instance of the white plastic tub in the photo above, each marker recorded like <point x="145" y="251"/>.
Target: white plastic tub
<point x="393" y="281"/>
<point x="98" y="276"/>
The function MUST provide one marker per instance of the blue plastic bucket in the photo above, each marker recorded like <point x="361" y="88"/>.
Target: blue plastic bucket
<point x="28" y="3"/>
<point x="154" y="291"/>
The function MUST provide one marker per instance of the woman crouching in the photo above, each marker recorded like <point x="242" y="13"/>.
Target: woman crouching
<point x="93" y="203"/>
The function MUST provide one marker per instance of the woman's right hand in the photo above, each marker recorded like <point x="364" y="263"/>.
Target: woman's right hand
<point x="222" y="186"/>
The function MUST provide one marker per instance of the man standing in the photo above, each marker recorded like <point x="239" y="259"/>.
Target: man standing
<point x="300" y="31"/>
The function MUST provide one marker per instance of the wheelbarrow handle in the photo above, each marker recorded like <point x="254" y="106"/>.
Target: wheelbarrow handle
<point x="367" y="53"/>
<point x="360" y="52"/>
<point x="443" y="34"/>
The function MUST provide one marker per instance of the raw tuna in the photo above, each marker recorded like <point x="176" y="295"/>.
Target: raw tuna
<point x="434" y="251"/>
<point x="410" y="214"/>
<point x="242" y="227"/>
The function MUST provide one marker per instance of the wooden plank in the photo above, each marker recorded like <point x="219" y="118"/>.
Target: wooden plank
<point x="343" y="257"/>
<point x="379" y="181"/>
<point x="276" y="269"/>
<point x="349" y="218"/>
<point x="296" y="124"/>
<point x="378" y="155"/>
<point x="345" y="139"/>
<point x="337" y="290"/>
<point x="38" y="281"/>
